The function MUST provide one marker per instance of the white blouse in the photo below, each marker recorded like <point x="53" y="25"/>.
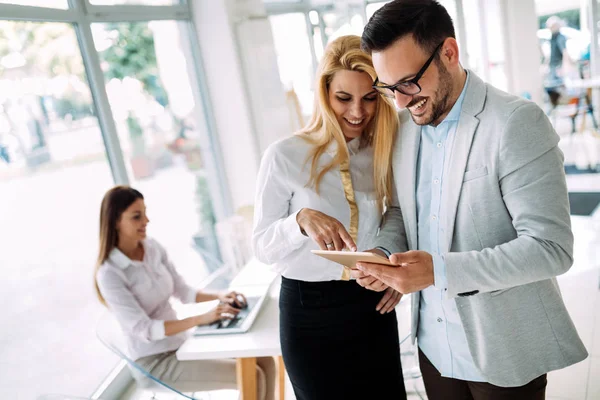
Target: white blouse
<point x="282" y="191"/>
<point x="138" y="294"/>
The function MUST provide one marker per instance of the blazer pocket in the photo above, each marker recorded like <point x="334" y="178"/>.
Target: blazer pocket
<point x="475" y="173"/>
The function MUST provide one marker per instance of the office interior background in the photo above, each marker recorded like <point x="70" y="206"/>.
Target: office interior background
<point x="179" y="99"/>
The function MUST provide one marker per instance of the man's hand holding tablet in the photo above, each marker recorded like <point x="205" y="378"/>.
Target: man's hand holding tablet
<point x="350" y="259"/>
<point x="375" y="256"/>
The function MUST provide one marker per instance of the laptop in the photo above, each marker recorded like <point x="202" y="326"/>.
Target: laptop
<point x="240" y="324"/>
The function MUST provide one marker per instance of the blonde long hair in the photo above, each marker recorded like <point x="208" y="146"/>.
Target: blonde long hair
<point x="344" y="53"/>
<point x="115" y="202"/>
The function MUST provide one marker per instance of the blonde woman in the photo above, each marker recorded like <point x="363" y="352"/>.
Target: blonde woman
<point x="135" y="279"/>
<point x="325" y="188"/>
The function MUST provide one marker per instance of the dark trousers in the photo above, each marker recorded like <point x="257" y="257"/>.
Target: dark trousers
<point x="439" y="387"/>
<point x="335" y="345"/>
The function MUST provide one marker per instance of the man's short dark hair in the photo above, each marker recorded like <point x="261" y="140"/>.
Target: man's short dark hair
<point x="426" y="20"/>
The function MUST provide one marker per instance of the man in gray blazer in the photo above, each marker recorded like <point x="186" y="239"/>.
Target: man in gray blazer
<point x="481" y="204"/>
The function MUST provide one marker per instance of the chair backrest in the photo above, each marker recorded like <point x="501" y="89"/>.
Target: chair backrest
<point x="235" y="235"/>
<point x="109" y="332"/>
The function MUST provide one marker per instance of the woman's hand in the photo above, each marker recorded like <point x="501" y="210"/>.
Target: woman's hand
<point x="222" y="311"/>
<point x="367" y="281"/>
<point x="327" y="232"/>
<point x="389" y="301"/>
<point x="234" y="299"/>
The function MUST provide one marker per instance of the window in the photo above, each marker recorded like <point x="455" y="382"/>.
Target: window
<point x="53" y="172"/>
<point x="135" y="2"/>
<point x="71" y="99"/>
<point x="148" y="82"/>
<point x="372" y="7"/>
<point x="292" y="45"/>
<point x="62" y="4"/>
<point x="300" y="38"/>
<point x="344" y="21"/>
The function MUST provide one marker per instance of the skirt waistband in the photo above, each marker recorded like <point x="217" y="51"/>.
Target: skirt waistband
<point x="328" y="293"/>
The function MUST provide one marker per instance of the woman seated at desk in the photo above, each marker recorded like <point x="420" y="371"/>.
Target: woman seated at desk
<point x="135" y="279"/>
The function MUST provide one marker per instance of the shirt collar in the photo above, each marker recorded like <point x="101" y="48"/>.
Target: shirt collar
<point x="353" y="147"/>
<point x="119" y="259"/>
<point x="454" y="113"/>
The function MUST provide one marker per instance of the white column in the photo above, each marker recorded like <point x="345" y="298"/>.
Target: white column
<point x="584" y="22"/>
<point x="461" y="32"/>
<point x="483" y="41"/>
<point x="243" y="85"/>
<point x="522" y="52"/>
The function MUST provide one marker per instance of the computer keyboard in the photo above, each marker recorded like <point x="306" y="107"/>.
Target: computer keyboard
<point x="238" y="319"/>
<point x="234" y="322"/>
<point x="230" y="324"/>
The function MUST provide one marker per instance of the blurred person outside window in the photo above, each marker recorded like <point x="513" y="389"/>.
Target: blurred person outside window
<point x="558" y="46"/>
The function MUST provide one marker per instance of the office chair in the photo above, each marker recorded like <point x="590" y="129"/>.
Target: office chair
<point x="109" y="333"/>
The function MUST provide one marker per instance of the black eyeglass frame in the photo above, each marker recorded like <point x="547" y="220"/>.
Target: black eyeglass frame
<point x="414" y="81"/>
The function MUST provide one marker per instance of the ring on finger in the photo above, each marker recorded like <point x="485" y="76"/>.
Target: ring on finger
<point x="329" y="245"/>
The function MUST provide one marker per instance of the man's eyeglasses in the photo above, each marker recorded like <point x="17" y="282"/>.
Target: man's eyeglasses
<point x="409" y="87"/>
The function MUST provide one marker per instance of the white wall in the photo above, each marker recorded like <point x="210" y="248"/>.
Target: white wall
<point x="522" y="53"/>
<point x="271" y="116"/>
<point x="227" y="97"/>
<point x="245" y="92"/>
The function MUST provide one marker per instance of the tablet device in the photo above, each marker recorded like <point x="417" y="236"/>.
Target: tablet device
<point x="350" y="258"/>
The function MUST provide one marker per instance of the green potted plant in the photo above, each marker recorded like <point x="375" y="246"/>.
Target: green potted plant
<point x="205" y="239"/>
<point x="140" y="162"/>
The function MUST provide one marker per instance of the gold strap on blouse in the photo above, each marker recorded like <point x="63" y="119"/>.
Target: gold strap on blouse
<point x="349" y="192"/>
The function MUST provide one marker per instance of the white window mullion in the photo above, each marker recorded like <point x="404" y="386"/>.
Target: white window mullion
<point x="98" y="89"/>
<point x="310" y="30"/>
<point x="127" y="13"/>
<point x="323" y="29"/>
<point x="215" y="165"/>
<point x="36" y="14"/>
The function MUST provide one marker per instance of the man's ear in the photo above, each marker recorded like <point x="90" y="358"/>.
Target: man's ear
<point x="450" y="52"/>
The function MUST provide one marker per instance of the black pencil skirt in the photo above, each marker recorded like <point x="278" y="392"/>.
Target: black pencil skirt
<point x="335" y="344"/>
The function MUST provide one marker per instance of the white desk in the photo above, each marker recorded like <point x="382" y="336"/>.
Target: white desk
<point x="590" y="83"/>
<point x="262" y="340"/>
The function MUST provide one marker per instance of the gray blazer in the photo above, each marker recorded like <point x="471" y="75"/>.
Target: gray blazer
<point x="509" y="233"/>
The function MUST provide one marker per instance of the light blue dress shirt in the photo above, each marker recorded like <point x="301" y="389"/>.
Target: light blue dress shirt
<point x="441" y="335"/>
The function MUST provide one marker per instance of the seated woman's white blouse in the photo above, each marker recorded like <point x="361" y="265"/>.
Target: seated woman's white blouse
<point x="282" y="191"/>
<point x="138" y="293"/>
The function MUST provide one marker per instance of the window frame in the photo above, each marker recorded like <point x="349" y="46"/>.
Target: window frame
<point x="82" y="14"/>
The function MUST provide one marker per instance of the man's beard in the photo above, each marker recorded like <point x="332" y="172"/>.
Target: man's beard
<point x="439" y="101"/>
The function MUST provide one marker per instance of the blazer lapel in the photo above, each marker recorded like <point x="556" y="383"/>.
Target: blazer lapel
<point x="459" y="155"/>
<point x="407" y="149"/>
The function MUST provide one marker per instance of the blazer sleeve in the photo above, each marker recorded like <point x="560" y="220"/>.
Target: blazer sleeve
<point x="534" y="191"/>
<point x="392" y="236"/>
